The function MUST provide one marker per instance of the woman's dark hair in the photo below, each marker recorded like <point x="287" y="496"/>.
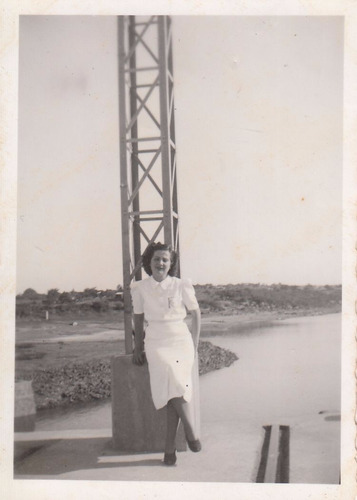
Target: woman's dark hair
<point x="149" y="252"/>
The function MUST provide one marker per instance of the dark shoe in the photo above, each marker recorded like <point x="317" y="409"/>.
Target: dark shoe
<point x="194" y="445"/>
<point x="170" y="458"/>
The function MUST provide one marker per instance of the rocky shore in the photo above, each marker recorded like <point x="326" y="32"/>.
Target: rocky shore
<point x="71" y="364"/>
<point x="211" y="357"/>
<point x="91" y="380"/>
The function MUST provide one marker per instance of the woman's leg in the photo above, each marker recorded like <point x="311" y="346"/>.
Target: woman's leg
<point x="181" y="408"/>
<point x="171" y="429"/>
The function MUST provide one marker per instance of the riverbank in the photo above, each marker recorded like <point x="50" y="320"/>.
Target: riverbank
<point x="69" y="361"/>
<point x="81" y="382"/>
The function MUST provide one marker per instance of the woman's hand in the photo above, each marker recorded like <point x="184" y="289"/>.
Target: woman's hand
<point x="139" y="357"/>
<point x="196" y="328"/>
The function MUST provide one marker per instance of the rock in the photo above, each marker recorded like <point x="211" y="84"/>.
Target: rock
<point x="81" y="382"/>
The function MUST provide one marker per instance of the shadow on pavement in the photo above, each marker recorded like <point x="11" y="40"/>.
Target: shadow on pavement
<point x="54" y="457"/>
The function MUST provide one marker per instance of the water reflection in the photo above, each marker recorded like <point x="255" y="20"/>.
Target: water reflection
<point x="244" y="329"/>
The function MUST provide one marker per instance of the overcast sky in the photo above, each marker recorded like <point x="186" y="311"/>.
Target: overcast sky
<point x="259" y="138"/>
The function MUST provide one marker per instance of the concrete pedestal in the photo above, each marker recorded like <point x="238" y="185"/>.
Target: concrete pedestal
<point x="137" y="425"/>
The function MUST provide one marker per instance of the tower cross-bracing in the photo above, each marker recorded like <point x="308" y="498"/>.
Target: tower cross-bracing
<point x="147" y="144"/>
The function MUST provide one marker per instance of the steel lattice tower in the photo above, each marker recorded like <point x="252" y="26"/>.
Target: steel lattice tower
<point x="147" y="145"/>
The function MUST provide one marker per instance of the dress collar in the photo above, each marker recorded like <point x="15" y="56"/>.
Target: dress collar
<point x="162" y="284"/>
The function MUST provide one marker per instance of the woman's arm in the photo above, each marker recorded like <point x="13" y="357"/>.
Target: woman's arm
<point x="195" y="326"/>
<point x="138" y="354"/>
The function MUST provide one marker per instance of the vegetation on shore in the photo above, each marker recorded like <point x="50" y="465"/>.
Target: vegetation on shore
<point x="223" y="299"/>
<point x="242" y="298"/>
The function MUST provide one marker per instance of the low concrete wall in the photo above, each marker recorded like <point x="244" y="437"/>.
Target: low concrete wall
<point x="137" y="425"/>
<point x="25" y="409"/>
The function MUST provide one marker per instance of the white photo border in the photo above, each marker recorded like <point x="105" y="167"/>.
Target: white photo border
<point x="43" y="489"/>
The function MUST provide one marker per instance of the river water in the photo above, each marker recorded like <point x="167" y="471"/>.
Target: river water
<point x="286" y="372"/>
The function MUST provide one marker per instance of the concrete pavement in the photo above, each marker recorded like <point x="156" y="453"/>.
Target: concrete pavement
<point x="227" y="455"/>
<point x="231" y="453"/>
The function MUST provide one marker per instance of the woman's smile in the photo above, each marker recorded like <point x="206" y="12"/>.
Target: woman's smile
<point x="160" y="264"/>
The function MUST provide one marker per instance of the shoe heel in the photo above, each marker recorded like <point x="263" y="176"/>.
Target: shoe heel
<point x="194" y="445"/>
<point x="170" y="458"/>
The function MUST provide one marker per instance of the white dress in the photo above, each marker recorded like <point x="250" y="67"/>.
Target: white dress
<point x="168" y="342"/>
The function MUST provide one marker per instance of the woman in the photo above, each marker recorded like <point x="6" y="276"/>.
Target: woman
<point x="170" y="349"/>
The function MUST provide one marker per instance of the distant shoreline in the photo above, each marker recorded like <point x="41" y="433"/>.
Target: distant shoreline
<point x="214" y="322"/>
<point x="213" y="299"/>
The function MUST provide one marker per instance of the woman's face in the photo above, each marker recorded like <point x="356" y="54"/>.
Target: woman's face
<point x="160" y="264"/>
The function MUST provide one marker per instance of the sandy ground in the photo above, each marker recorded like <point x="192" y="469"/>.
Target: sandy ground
<point x="70" y="330"/>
